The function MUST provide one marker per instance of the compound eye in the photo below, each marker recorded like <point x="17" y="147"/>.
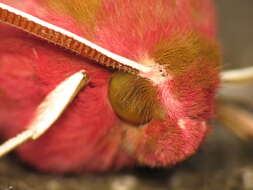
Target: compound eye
<point x="133" y="99"/>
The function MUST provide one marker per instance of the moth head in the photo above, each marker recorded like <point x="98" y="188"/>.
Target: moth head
<point x="166" y="119"/>
<point x="182" y="82"/>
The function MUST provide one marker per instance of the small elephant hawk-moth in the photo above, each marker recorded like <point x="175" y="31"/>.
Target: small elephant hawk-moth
<point x="119" y="83"/>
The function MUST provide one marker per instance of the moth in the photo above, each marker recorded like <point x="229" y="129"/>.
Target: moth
<point x="90" y="86"/>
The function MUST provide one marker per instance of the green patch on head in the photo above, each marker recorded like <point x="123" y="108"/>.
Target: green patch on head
<point x="182" y="51"/>
<point x="82" y="11"/>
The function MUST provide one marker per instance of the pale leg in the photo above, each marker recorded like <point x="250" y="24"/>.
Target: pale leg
<point x="237" y="75"/>
<point x="236" y="119"/>
<point x="48" y="111"/>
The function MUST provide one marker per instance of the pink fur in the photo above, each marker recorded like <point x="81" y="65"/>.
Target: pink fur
<point x="89" y="136"/>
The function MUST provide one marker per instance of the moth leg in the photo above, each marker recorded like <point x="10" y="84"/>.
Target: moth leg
<point x="48" y="111"/>
<point x="237" y="75"/>
<point x="236" y="119"/>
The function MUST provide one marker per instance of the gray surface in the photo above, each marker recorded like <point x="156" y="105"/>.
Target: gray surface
<point x="223" y="163"/>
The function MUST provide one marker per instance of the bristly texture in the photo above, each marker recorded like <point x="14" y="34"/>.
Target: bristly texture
<point x="118" y="120"/>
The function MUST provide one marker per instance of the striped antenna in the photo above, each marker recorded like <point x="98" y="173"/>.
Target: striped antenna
<point x="75" y="43"/>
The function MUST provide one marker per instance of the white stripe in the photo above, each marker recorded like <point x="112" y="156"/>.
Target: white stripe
<point x="114" y="56"/>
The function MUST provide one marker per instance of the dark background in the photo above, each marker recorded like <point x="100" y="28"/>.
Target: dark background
<point x="223" y="163"/>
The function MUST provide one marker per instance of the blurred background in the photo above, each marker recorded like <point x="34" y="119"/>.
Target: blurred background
<point x="224" y="162"/>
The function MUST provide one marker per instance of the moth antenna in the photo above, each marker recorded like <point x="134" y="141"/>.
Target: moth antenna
<point x="48" y="111"/>
<point x="237" y="75"/>
<point x="75" y="43"/>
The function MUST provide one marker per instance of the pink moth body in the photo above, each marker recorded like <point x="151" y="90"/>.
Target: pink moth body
<point x="90" y="136"/>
